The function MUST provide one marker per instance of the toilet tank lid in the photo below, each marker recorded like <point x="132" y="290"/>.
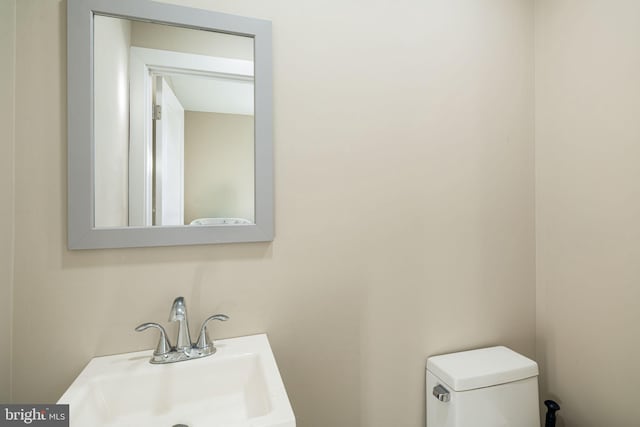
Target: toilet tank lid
<point x="469" y="370"/>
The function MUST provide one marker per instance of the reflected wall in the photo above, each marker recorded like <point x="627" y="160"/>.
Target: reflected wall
<point x="145" y="151"/>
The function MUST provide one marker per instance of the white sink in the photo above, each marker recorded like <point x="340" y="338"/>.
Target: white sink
<point x="238" y="386"/>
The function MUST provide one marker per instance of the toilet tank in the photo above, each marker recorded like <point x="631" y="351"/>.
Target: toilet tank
<point x="489" y="387"/>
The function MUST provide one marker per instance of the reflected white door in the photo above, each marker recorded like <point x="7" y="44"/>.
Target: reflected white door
<point x="169" y="153"/>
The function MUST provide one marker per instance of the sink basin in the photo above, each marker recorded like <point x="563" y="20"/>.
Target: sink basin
<point x="238" y="386"/>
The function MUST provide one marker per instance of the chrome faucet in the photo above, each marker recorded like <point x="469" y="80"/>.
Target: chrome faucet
<point x="178" y="313"/>
<point x="184" y="348"/>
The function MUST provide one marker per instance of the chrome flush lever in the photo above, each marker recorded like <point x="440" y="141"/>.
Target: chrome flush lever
<point x="441" y="393"/>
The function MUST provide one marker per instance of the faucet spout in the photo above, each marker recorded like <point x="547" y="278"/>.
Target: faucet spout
<point x="178" y="314"/>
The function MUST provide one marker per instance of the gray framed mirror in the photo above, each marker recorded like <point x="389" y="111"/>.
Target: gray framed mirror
<point x="169" y="126"/>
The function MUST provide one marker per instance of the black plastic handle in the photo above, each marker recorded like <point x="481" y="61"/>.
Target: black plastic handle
<point x="552" y="408"/>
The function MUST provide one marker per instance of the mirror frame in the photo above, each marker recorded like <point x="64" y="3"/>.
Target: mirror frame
<point x="80" y="98"/>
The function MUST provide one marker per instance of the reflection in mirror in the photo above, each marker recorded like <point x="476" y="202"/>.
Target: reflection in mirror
<point x="173" y="125"/>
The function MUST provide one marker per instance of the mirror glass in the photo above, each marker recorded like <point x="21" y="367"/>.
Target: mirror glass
<point x="174" y="126"/>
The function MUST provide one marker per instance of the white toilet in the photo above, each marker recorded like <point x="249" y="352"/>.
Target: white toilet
<point x="490" y="387"/>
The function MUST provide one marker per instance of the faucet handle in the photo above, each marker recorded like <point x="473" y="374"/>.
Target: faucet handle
<point x="163" y="347"/>
<point x="204" y="342"/>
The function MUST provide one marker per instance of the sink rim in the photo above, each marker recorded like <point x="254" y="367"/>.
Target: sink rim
<point x="135" y="363"/>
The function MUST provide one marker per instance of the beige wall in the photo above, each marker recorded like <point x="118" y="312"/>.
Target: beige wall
<point x="166" y="37"/>
<point x="404" y="209"/>
<point x="588" y="208"/>
<point x="7" y="115"/>
<point x="218" y="166"/>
